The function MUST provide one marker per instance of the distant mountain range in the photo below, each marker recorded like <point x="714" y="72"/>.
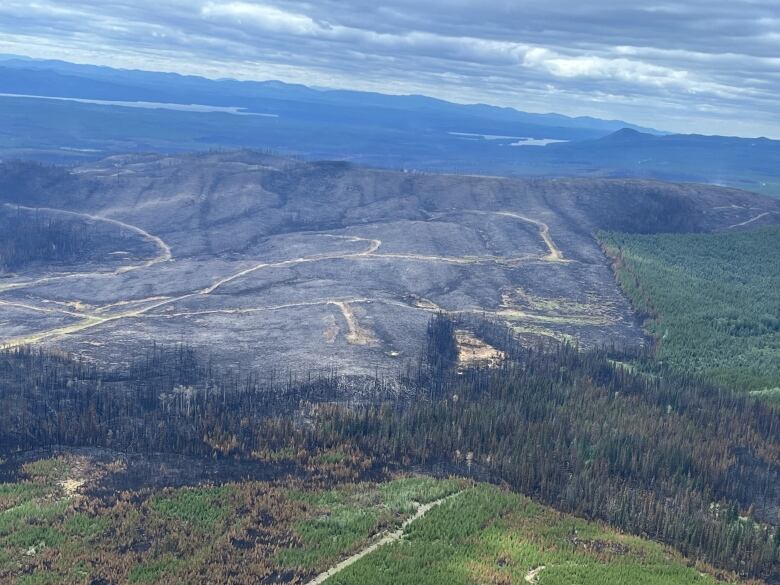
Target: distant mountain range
<point x="62" y="79"/>
<point x="59" y="111"/>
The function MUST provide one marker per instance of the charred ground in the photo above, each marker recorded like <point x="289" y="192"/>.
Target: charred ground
<point x="308" y="266"/>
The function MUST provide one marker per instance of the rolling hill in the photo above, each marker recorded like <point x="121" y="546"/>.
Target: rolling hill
<point x="309" y="266"/>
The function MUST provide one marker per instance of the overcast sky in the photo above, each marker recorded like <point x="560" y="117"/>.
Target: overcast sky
<point x="709" y="66"/>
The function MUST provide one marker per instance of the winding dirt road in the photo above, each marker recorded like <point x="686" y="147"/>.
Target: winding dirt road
<point x="164" y="254"/>
<point x="355" y="335"/>
<point x="751" y="220"/>
<point x="555" y="254"/>
<point x="93" y="320"/>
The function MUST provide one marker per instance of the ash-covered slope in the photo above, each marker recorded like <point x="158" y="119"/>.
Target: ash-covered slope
<point x="272" y="261"/>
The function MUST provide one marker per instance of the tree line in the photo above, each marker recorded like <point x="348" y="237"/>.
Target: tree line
<point x="711" y="300"/>
<point x="662" y="455"/>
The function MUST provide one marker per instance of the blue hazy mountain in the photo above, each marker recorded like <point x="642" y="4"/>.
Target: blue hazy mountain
<point x="62" y="79"/>
<point x="750" y="162"/>
<point x="85" y="111"/>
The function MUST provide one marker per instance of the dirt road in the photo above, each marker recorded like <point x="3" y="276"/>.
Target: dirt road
<point x="101" y="315"/>
<point x="387" y="539"/>
<point x="164" y="250"/>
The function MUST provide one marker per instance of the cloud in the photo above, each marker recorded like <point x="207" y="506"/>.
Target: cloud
<point x="268" y="18"/>
<point x="693" y="65"/>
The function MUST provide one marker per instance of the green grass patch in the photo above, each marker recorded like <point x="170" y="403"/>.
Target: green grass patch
<point x="331" y="457"/>
<point x="401" y="495"/>
<point x="487" y="535"/>
<point x="277" y="455"/>
<point x="770" y="394"/>
<point x="338" y="521"/>
<point x="153" y="572"/>
<point x="40" y="578"/>
<point x="47" y="469"/>
<point x="342" y="519"/>
<point x="326" y="537"/>
<point x="201" y="508"/>
<point x="85" y="526"/>
<point x="14" y="494"/>
<point x="28" y="523"/>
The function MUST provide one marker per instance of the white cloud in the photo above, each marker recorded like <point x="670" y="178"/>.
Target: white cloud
<point x="267" y="18"/>
<point x="624" y="70"/>
<point x="647" y="62"/>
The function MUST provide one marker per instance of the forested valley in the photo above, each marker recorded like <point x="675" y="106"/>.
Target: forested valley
<point x="670" y="457"/>
<point x="711" y="300"/>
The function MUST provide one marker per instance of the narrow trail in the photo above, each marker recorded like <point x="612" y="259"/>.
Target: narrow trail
<point x="47" y="310"/>
<point x="387" y="539"/>
<point x="104" y="308"/>
<point x="554" y="253"/>
<point x="94" y="320"/>
<point x="87" y="323"/>
<point x="751" y="220"/>
<point x="356" y="335"/>
<point x="373" y="246"/>
<point x="250" y="310"/>
<point x="315" y="303"/>
<point x="164" y="250"/>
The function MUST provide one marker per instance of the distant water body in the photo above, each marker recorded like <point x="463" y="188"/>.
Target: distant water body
<point x="201" y="108"/>
<point x="521" y="140"/>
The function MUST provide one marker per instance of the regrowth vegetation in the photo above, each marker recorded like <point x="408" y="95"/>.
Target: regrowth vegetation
<point x="676" y="460"/>
<point x="259" y="532"/>
<point x="245" y="532"/>
<point x="487" y="535"/>
<point x="664" y="456"/>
